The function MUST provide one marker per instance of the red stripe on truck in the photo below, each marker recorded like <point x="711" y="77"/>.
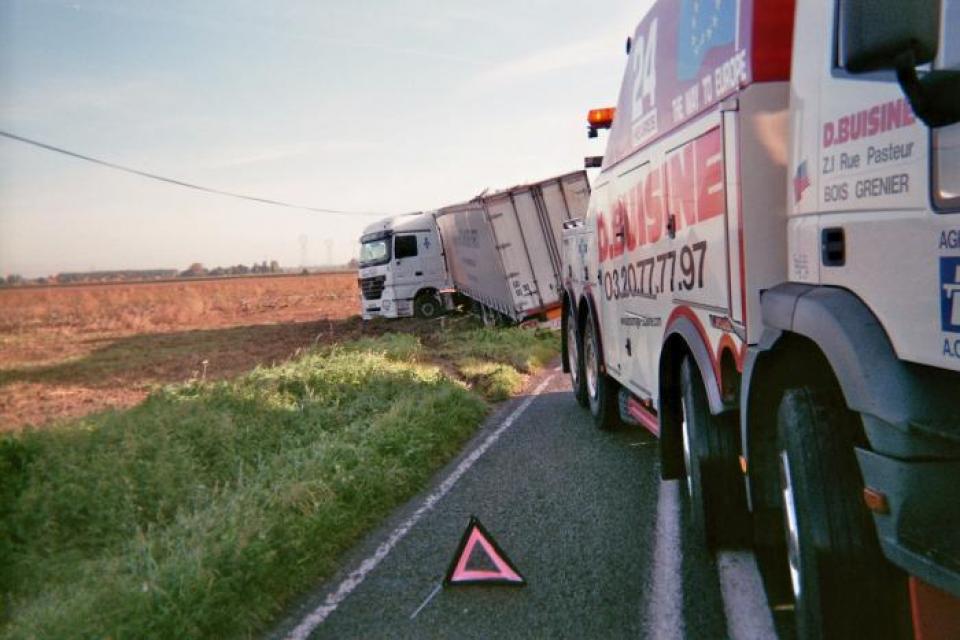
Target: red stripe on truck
<point x="640" y="413"/>
<point x="772" y="40"/>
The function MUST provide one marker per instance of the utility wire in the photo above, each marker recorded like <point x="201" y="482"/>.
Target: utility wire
<point x="180" y="183"/>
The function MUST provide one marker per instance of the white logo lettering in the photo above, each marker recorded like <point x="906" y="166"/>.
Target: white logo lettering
<point x="645" y="71"/>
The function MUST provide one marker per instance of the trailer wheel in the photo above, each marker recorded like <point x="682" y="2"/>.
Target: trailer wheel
<point x="601" y="389"/>
<point x="426" y="306"/>
<point x="841" y="583"/>
<point x="575" y="359"/>
<point x="718" y="512"/>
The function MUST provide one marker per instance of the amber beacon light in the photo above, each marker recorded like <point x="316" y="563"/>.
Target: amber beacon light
<point x="600" y="119"/>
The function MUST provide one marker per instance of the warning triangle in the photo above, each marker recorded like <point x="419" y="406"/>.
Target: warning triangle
<point x="477" y="543"/>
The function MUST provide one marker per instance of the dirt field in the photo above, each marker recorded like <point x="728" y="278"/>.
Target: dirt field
<point x="68" y="351"/>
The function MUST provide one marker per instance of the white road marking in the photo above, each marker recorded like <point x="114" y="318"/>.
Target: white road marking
<point x="430" y="597"/>
<point x="744" y="601"/>
<point x="665" y="606"/>
<point x="356" y="577"/>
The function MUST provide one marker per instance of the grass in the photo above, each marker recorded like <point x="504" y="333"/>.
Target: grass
<point x="524" y="349"/>
<point x="493" y="380"/>
<point x="201" y="512"/>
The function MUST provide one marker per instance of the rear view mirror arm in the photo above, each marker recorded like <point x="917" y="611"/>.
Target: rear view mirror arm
<point x="935" y="97"/>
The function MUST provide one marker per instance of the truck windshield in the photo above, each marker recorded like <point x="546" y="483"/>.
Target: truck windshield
<point x="946" y="140"/>
<point x="375" y="252"/>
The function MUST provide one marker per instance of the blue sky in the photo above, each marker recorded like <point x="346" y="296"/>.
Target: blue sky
<point x="366" y="106"/>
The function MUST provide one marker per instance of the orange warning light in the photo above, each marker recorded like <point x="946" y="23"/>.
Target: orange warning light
<point x="876" y="501"/>
<point x="601" y="118"/>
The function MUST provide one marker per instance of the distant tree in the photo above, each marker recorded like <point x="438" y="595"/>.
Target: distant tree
<point x="14" y="279"/>
<point x="274" y="266"/>
<point x="354" y="263"/>
<point x="195" y="269"/>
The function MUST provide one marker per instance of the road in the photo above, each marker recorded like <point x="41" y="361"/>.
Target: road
<point x="583" y="515"/>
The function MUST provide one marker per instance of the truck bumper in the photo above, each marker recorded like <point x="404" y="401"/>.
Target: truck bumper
<point x="919" y="529"/>
<point x="386" y="307"/>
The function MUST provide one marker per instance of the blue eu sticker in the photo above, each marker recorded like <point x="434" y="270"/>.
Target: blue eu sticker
<point x="950" y="294"/>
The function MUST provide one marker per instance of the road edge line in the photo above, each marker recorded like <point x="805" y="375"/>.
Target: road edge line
<point x="665" y="599"/>
<point x="316" y="617"/>
<point x="744" y="600"/>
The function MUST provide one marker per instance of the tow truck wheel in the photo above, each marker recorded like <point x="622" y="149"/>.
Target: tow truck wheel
<point x="601" y="389"/>
<point x="715" y="488"/>
<point x="842" y="585"/>
<point x="426" y="305"/>
<point x="574" y="361"/>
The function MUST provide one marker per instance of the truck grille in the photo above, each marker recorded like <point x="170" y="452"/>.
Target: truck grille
<point x="372" y="288"/>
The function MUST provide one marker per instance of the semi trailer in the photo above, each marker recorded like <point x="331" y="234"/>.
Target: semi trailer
<point x="767" y="278"/>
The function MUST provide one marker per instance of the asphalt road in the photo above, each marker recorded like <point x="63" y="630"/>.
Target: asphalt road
<point x="599" y="538"/>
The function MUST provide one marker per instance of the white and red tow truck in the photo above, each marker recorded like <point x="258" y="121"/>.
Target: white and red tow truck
<point x="768" y="278"/>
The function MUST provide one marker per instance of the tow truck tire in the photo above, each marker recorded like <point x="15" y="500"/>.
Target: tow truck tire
<point x="715" y="488"/>
<point x="601" y="388"/>
<point x="575" y="359"/>
<point x="842" y="584"/>
<point x="426" y="306"/>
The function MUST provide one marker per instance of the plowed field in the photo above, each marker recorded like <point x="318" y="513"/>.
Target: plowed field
<point x="71" y="350"/>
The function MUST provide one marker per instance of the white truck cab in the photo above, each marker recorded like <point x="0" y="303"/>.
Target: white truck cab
<point x="402" y="269"/>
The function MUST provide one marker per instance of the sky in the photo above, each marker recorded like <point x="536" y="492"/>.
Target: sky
<point x="365" y="106"/>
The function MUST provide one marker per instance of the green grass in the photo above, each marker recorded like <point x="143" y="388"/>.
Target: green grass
<point x="524" y="349"/>
<point x="492" y="380"/>
<point x="203" y="511"/>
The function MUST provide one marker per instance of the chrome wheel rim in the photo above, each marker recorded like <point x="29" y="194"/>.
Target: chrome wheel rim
<point x="572" y="355"/>
<point x="590" y="365"/>
<point x="790" y="518"/>
<point x="687" y="456"/>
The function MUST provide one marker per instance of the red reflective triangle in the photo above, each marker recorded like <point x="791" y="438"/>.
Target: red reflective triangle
<point x="458" y="573"/>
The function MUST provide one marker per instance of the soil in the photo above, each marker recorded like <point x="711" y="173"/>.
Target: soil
<point x="72" y="350"/>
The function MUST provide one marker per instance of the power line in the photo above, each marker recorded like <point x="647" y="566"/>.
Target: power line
<point x="180" y="183"/>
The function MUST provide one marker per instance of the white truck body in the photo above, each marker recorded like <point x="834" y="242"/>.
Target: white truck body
<point x="401" y="263"/>
<point x="502" y="249"/>
<point x="759" y="203"/>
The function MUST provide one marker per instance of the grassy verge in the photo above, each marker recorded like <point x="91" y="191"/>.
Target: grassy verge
<point x="202" y="511"/>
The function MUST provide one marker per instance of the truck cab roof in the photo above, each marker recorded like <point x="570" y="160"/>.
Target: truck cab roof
<point x="406" y="223"/>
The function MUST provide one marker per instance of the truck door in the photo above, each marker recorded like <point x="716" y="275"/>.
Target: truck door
<point x="871" y="194"/>
<point x="609" y="283"/>
<point x="697" y="258"/>
<point x="407" y="264"/>
<point x="431" y="259"/>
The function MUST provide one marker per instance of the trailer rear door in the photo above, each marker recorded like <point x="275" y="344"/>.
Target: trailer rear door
<point x="472" y="257"/>
<point x="513" y="249"/>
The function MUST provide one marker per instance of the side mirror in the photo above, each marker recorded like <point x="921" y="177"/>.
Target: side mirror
<point x="900" y="34"/>
<point x="875" y="33"/>
<point x="592" y="162"/>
